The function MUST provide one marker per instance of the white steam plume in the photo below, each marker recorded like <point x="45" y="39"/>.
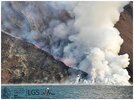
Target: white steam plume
<point x="81" y="34"/>
<point x="99" y="42"/>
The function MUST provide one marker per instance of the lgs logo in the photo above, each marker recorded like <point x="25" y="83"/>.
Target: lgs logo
<point x="46" y="92"/>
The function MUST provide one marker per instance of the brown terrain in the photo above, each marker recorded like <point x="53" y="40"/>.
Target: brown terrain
<point x="125" y="26"/>
<point x="22" y="62"/>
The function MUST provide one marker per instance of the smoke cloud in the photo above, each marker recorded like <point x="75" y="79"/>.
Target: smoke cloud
<point x="80" y="34"/>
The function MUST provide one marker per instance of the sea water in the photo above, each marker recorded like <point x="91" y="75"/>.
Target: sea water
<point x="68" y="91"/>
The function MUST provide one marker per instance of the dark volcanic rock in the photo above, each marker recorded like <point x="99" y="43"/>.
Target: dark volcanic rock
<point x="23" y="62"/>
<point x="125" y="26"/>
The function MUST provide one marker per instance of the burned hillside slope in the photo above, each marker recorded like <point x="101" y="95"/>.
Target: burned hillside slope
<point x="23" y="62"/>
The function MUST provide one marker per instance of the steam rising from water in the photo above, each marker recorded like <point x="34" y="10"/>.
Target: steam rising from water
<point x="80" y="34"/>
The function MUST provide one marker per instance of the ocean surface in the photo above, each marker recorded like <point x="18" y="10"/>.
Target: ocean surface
<point x="68" y="92"/>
